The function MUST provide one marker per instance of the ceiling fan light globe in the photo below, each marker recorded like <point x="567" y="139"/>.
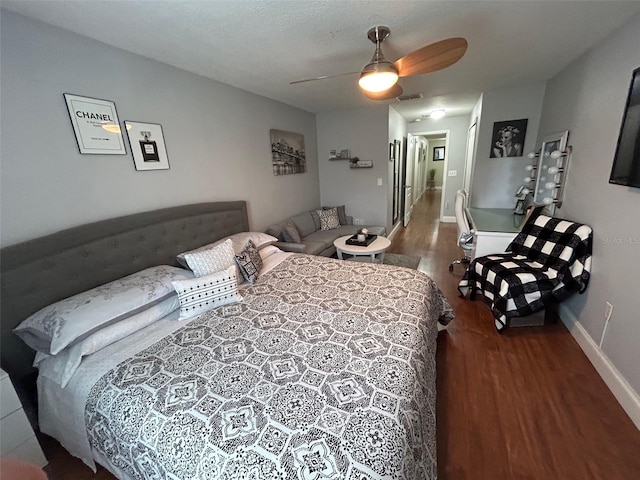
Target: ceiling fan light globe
<point x="378" y="81"/>
<point x="379" y="74"/>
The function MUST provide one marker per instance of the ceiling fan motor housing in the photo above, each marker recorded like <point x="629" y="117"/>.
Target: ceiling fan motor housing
<point x="379" y="74"/>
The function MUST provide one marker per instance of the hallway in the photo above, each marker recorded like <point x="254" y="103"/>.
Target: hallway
<point x="525" y="404"/>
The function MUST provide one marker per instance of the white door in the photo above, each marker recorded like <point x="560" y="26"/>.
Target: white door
<point x="407" y="206"/>
<point x="408" y="176"/>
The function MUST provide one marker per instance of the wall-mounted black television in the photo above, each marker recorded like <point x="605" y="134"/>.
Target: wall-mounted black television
<point x="626" y="164"/>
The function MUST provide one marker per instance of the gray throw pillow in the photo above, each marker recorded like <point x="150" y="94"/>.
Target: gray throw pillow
<point x="290" y="233"/>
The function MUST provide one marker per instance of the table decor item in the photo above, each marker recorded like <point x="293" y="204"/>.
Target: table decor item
<point x="355" y="240"/>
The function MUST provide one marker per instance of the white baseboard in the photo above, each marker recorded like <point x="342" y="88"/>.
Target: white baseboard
<point x="448" y="219"/>
<point x="394" y="230"/>
<point x="624" y="393"/>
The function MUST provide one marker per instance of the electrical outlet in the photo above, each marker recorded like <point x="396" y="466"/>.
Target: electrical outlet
<point x="607" y="312"/>
<point x="379" y="182"/>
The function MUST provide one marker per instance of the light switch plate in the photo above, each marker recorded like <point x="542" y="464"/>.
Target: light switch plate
<point x="452" y="173"/>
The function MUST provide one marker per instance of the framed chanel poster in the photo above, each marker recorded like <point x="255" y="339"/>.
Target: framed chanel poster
<point x="95" y="124"/>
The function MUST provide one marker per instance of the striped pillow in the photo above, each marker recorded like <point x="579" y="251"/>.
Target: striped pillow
<point x="208" y="292"/>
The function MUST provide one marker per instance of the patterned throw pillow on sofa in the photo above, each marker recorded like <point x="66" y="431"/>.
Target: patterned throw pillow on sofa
<point x="328" y="219"/>
<point x="342" y="214"/>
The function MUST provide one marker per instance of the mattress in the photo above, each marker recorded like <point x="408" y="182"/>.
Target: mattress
<point x="326" y="369"/>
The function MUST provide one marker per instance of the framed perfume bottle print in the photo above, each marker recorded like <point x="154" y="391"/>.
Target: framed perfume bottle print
<point x="147" y="145"/>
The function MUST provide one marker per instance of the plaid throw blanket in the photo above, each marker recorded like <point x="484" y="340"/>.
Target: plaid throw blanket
<point x="550" y="259"/>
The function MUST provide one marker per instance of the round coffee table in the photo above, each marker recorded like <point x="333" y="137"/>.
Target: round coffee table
<point x="378" y="246"/>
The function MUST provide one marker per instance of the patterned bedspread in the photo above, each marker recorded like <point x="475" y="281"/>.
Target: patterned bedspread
<point x="326" y="370"/>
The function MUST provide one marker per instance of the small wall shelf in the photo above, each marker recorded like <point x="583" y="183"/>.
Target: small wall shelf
<point x="355" y="165"/>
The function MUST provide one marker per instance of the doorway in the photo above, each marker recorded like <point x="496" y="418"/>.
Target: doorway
<point x="427" y="154"/>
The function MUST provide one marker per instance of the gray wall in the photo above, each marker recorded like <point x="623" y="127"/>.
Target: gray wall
<point x="588" y="98"/>
<point x="364" y="131"/>
<point x="495" y="179"/>
<point x="439" y="165"/>
<point x="458" y="130"/>
<point x="217" y="137"/>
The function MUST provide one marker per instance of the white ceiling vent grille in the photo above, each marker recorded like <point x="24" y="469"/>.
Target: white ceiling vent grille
<point x="411" y="96"/>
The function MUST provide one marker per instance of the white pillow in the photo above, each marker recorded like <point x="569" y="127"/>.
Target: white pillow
<point x="238" y="240"/>
<point x="68" y="361"/>
<point x="63" y="323"/>
<point x="267" y="251"/>
<point x="211" y="259"/>
<point x="208" y="292"/>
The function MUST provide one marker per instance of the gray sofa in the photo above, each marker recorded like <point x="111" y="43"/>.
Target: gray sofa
<point x="313" y="240"/>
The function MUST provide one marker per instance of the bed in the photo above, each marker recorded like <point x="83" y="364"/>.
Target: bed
<point x="324" y="369"/>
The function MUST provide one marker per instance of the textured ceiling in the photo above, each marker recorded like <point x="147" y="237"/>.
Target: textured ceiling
<point x="261" y="46"/>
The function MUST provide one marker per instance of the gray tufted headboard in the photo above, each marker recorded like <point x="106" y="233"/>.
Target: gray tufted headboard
<point x="44" y="270"/>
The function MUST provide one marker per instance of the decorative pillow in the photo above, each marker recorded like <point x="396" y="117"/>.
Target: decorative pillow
<point x="238" y="240"/>
<point x="342" y="214"/>
<point x="208" y="292"/>
<point x="250" y="262"/>
<point x="290" y="233"/>
<point x="328" y="219"/>
<point x="68" y="361"/>
<point x="63" y="323"/>
<point x="212" y="259"/>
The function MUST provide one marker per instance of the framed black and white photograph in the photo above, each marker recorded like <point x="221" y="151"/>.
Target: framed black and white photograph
<point x="438" y="154"/>
<point x="147" y="145"/>
<point x="287" y="152"/>
<point x="96" y="125"/>
<point x="508" y="138"/>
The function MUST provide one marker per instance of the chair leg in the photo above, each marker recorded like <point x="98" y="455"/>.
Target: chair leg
<point x="463" y="261"/>
<point x="551" y="314"/>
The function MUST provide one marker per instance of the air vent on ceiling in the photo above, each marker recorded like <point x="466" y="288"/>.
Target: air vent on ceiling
<point x="411" y="96"/>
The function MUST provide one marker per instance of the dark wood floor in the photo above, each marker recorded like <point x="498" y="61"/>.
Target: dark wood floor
<point x="526" y="404"/>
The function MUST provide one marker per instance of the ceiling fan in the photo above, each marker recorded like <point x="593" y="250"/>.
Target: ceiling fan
<point x="378" y="79"/>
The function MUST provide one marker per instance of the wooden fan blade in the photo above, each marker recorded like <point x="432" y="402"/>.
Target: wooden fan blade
<point x="431" y="58"/>
<point x="322" y="77"/>
<point x="392" y="92"/>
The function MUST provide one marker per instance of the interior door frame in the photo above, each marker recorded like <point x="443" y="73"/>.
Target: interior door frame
<point x="396" y="182"/>
<point x="403" y="190"/>
<point x="470" y="155"/>
<point x="445" y="168"/>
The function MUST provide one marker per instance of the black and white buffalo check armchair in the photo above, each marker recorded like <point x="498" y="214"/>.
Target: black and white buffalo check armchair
<point x="549" y="260"/>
